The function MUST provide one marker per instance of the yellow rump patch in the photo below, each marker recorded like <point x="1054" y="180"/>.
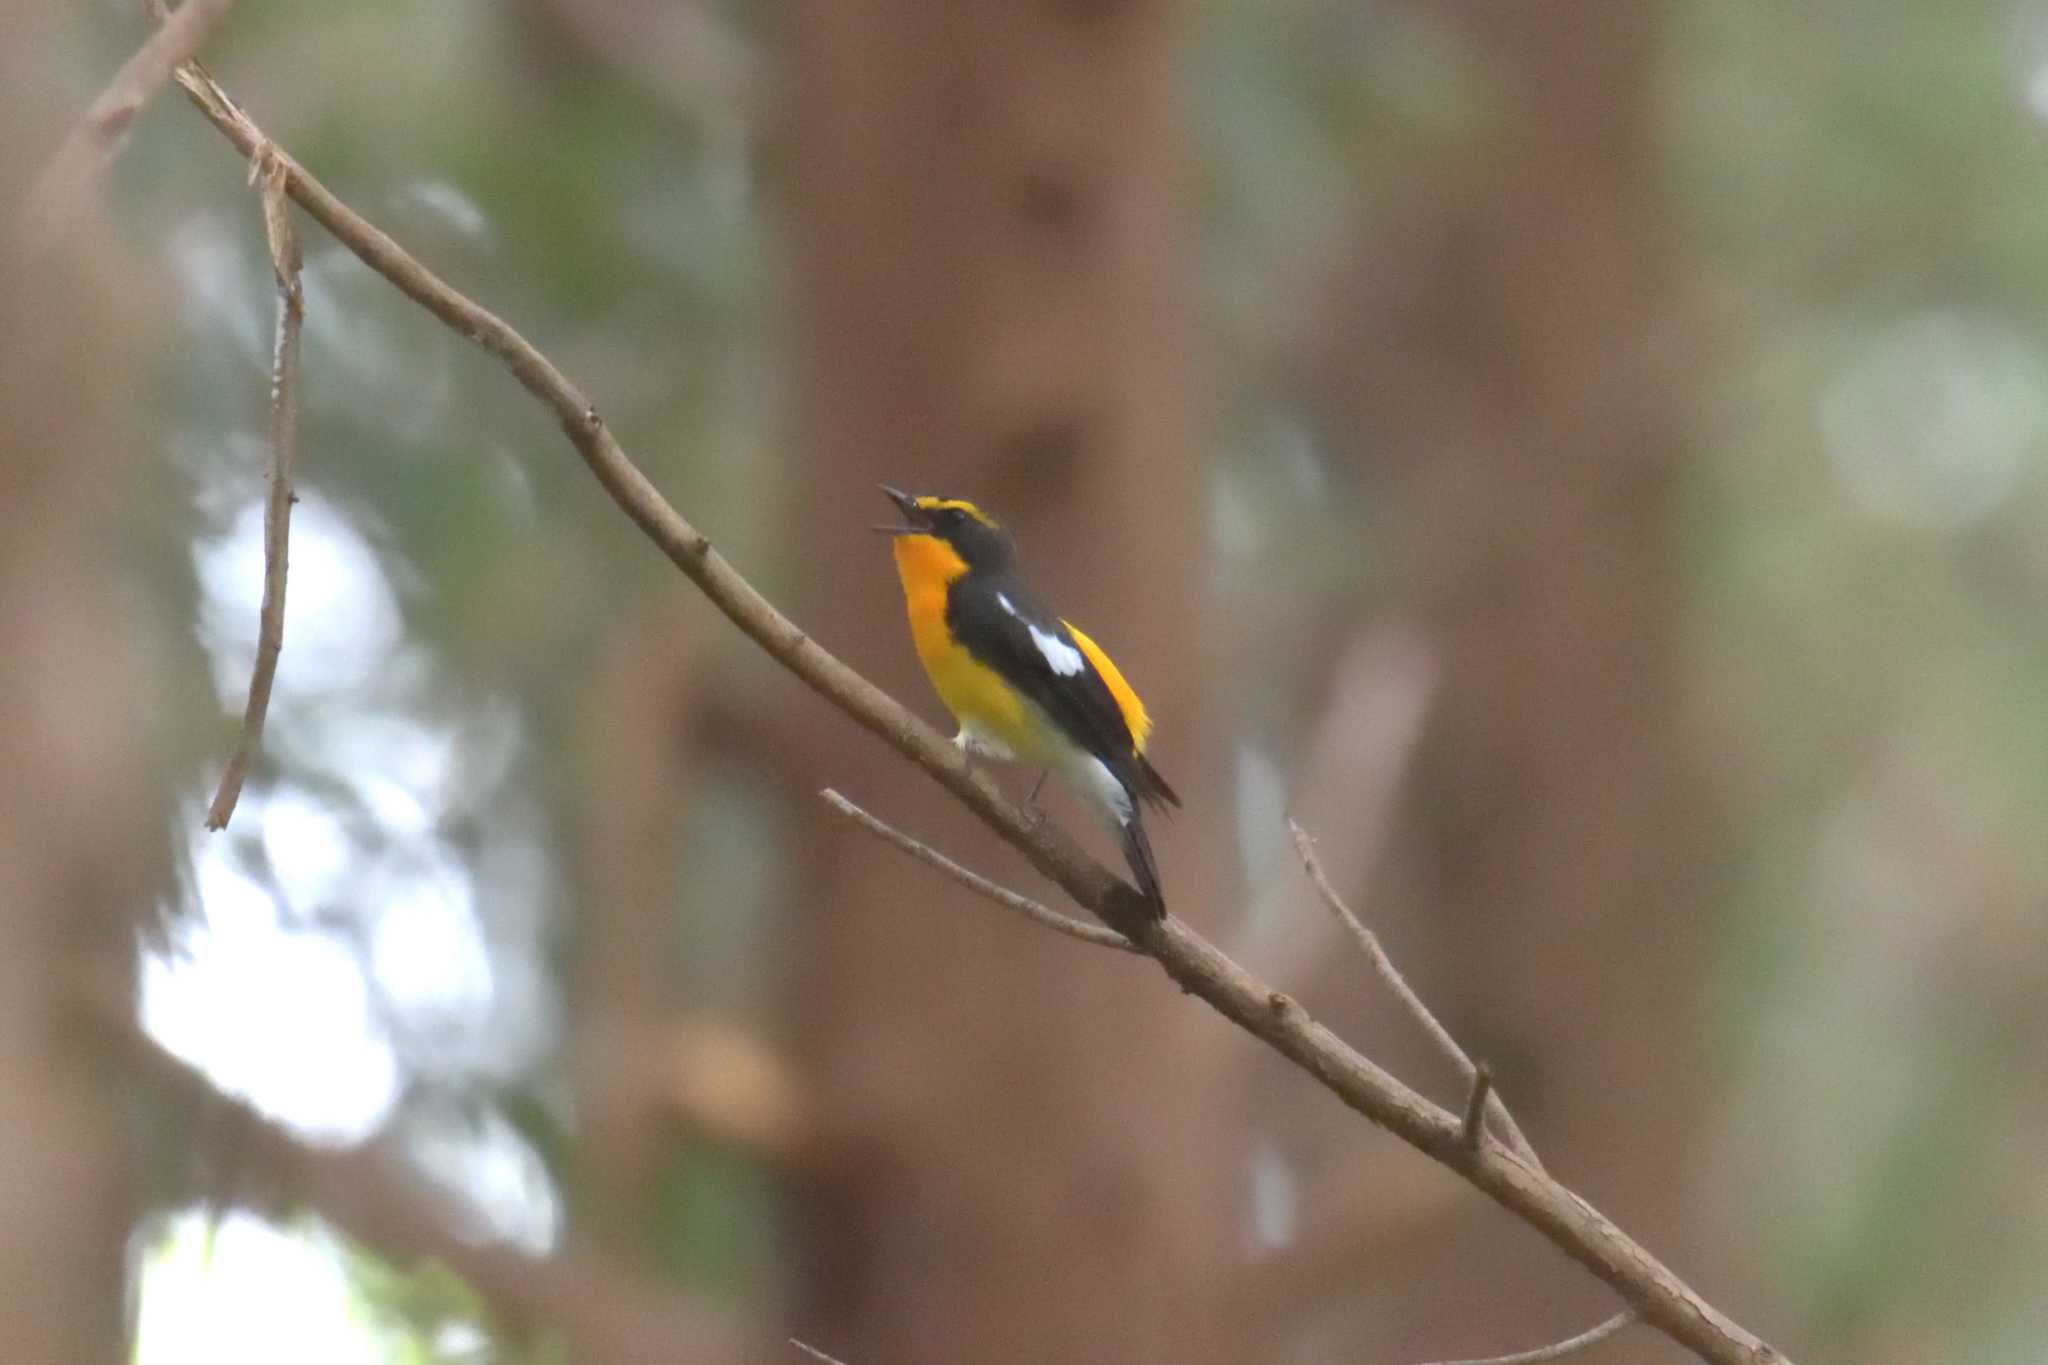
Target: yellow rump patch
<point x="1126" y="700"/>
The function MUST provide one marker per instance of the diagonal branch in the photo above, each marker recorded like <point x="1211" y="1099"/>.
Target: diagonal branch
<point x="1664" y="1300"/>
<point x="67" y="182"/>
<point x="1471" y="1128"/>
<point x="285" y="261"/>
<point x="1049" y="849"/>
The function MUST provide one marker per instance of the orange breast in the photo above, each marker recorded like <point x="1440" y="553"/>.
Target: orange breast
<point x="927" y="566"/>
<point x="977" y="697"/>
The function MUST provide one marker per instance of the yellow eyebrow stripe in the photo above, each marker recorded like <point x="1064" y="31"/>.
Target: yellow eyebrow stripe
<point x="1135" y="718"/>
<point x="956" y="505"/>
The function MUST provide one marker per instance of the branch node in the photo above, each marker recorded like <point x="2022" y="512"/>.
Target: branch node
<point x="1473" y="1133"/>
<point x="261" y="161"/>
<point x="1369" y="944"/>
<point x="1284" y="1006"/>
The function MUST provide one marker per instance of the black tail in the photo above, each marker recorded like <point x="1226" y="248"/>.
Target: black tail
<point x="1151" y="787"/>
<point x="1144" y="868"/>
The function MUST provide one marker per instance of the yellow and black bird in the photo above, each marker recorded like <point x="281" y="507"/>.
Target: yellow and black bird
<point x="1023" y="683"/>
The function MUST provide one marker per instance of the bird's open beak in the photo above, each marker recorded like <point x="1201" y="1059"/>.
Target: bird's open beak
<point x="913" y="515"/>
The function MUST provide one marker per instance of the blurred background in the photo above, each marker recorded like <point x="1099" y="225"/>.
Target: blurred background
<point x="1584" y="461"/>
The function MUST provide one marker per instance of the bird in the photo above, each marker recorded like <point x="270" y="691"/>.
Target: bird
<point x="1024" y="683"/>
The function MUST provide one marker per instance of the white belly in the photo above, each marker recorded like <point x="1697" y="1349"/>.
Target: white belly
<point x="1085" y="774"/>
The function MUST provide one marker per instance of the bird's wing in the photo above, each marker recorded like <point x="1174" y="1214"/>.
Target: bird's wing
<point x="1004" y="627"/>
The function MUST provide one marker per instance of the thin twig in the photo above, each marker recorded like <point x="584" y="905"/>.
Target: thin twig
<point x="285" y="261"/>
<point x="1475" y="1108"/>
<point x="1557" y="1350"/>
<point x="1479" y="1099"/>
<point x="1192" y="962"/>
<point x="1369" y="943"/>
<point x="67" y="182"/>
<point x="814" y="1353"/>
<point x="975" y="882"/>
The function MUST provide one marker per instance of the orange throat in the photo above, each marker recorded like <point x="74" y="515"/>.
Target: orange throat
<point x="927" y="566"/>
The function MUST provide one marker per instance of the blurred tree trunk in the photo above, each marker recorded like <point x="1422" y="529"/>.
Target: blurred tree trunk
<point x="80" y="833"/>
<point x="1026" y="1155"/>
<point x="1504" y="363"/>
<point x="626" y="956"/>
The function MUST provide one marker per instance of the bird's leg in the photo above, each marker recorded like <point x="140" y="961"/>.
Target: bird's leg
<point x="977" y="745"/>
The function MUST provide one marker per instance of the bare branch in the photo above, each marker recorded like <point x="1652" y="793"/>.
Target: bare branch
<point x="975" y="882"/>
<point x="1194" y="964"/>
<point x="67" y="182"/>
<point x="285" y="261"/>
<point x="1369" y="944"/>
<point x="1557" y="1350"/>
<point x="814" y="1353"/>
<point x="1479" y="1099"/>
<point x="1475" y="1108"/>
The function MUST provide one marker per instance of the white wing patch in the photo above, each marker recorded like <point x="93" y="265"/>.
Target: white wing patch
<point x="1006" y="604"/>
<point x="1060" y="656"/>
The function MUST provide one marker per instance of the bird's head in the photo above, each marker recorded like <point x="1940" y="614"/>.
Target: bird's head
<point x="971" y="532"/>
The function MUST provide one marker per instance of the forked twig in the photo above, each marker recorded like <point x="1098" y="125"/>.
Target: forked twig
<point x="1480" y="1097"/>
<point x="1474" y="1130"/>
<point x="1369" y="944"/>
